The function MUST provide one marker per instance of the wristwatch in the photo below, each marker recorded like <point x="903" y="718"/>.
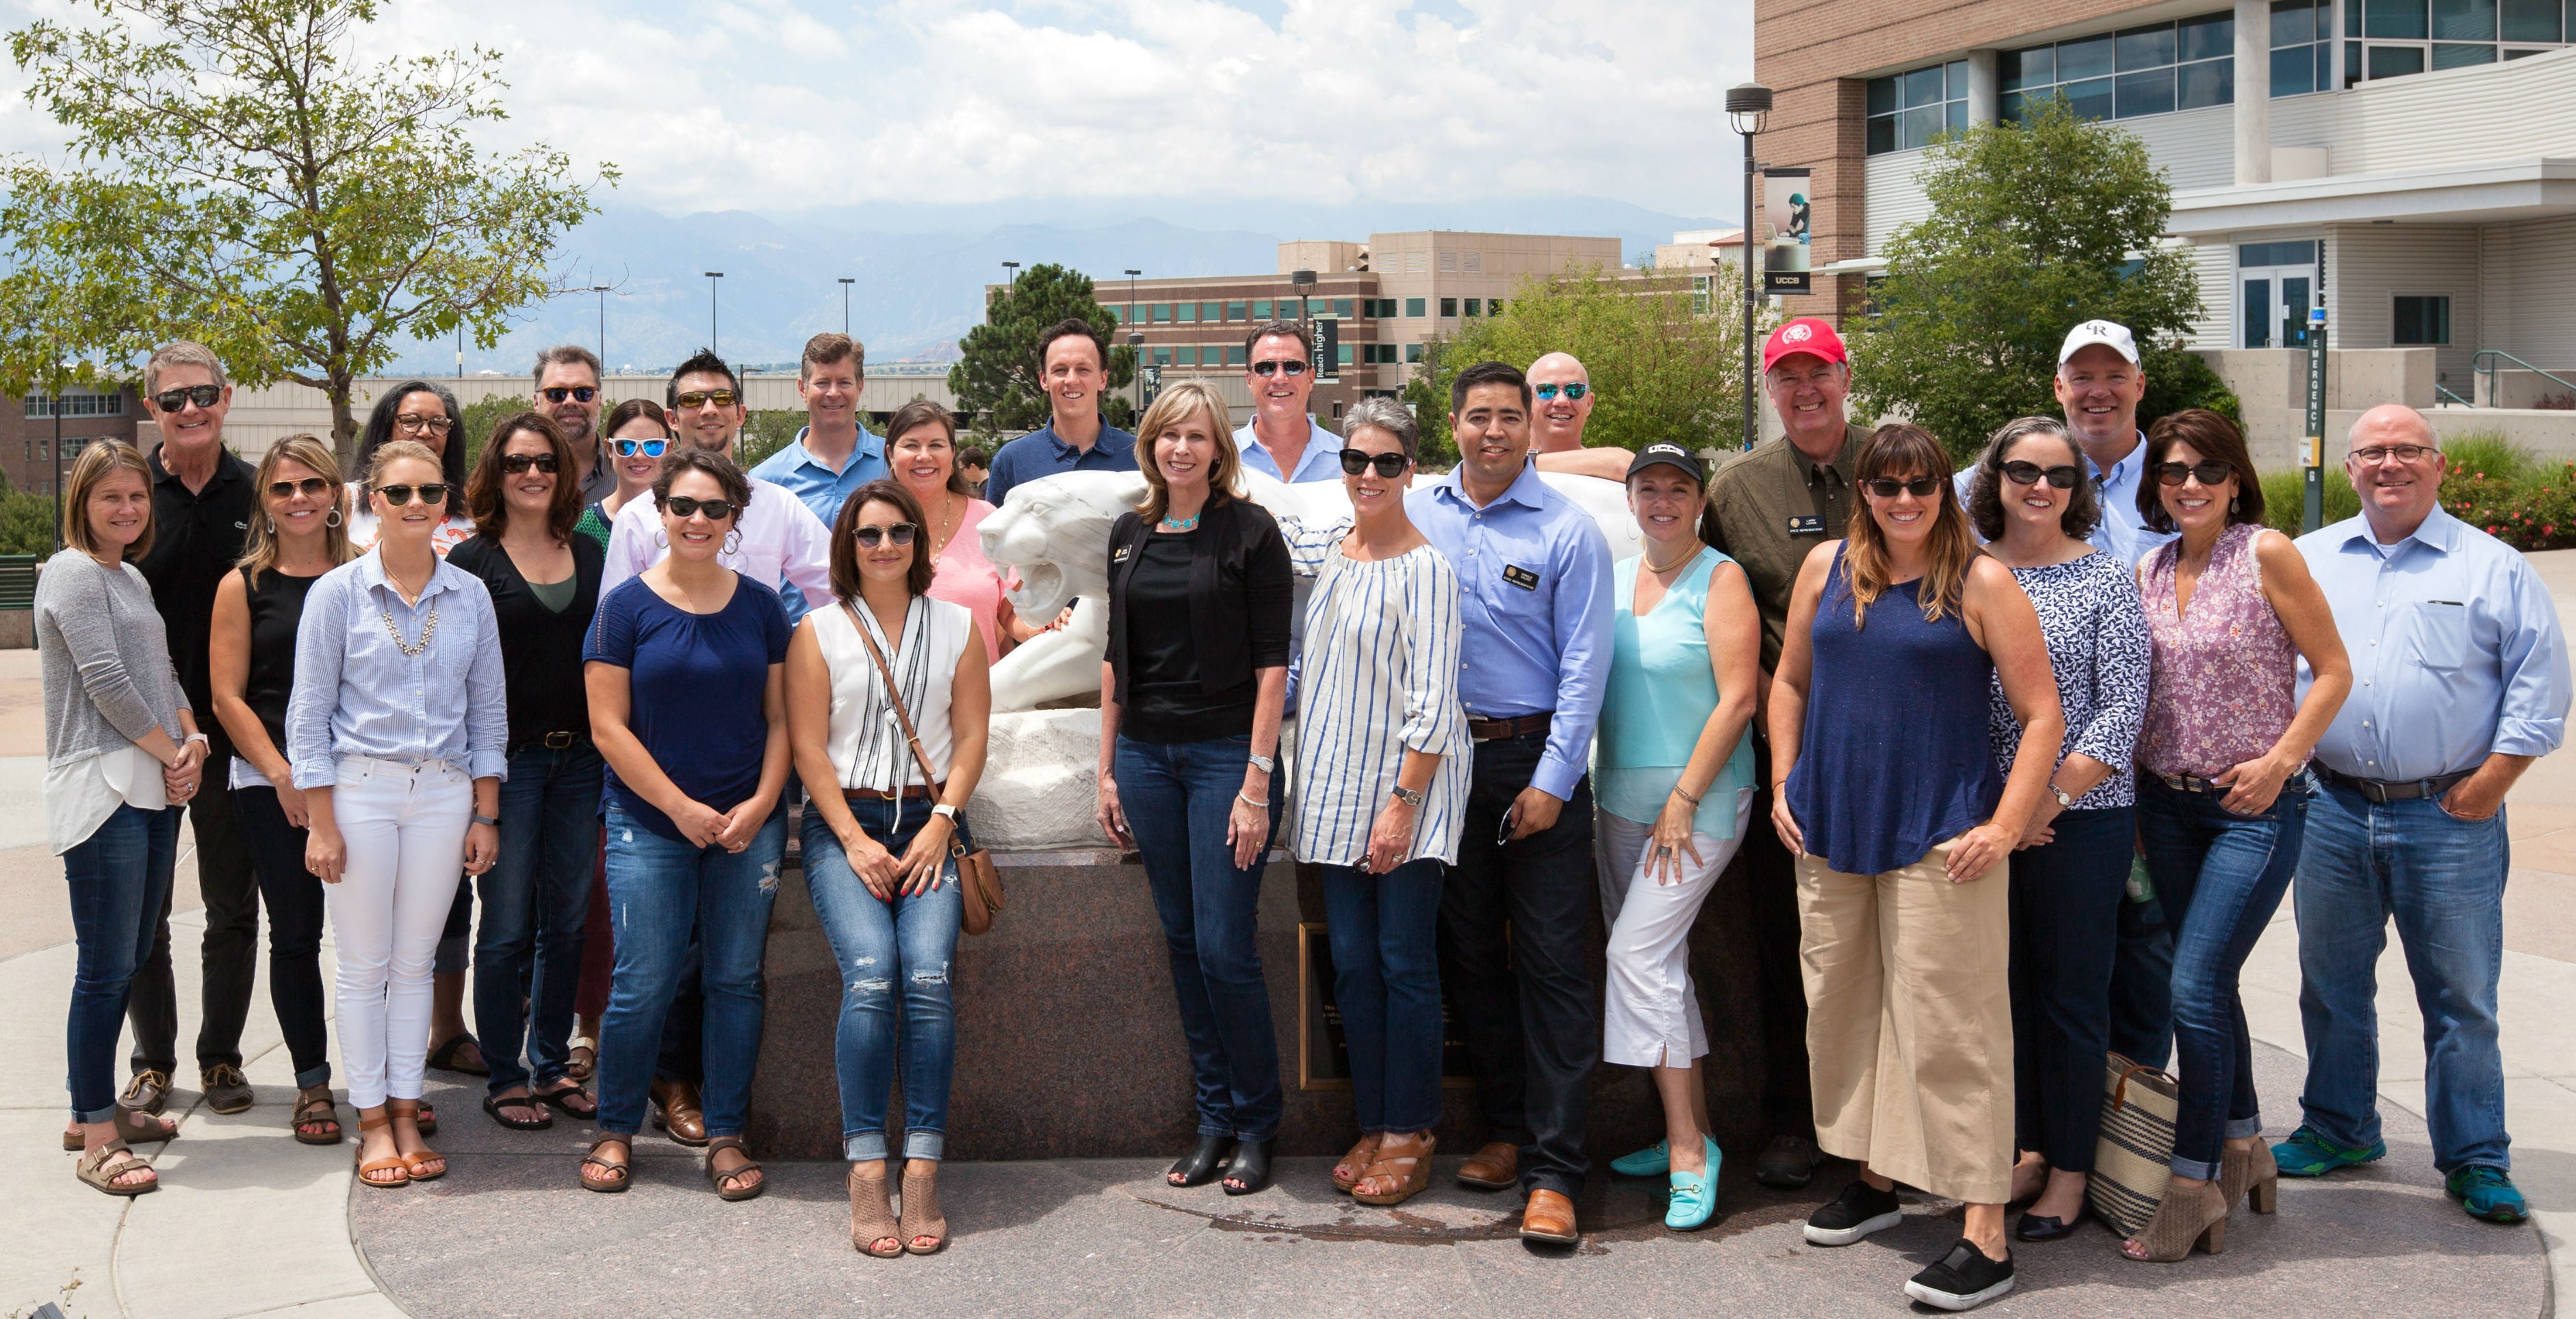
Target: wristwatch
<point x="2064" y="802"/>
<point x="944" y="809"/>
<point x="1408" y="796"/>
<point x="1265" y="764"/>
<point x="486" y="819"/>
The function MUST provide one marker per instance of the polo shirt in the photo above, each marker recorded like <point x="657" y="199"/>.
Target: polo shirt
<point x="196" y="537"/>
<point x="1039" y="453"/>
<point x="1320" y="462"/>
<point x="1774" y="505"/>
<point x="796" y="470"/>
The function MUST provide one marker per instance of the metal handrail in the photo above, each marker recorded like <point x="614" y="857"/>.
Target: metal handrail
<point x="2478" y="365"/>
<point x="2445" y="391"/>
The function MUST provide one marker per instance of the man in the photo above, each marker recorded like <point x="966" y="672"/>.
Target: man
<point x="1283" y="438"/>
<point x="975" y="465"/>
<point x="1772" y="506"/>
<point x="567" y="389"/>
<point x="833" y="455"/>
<point x="1564" y="392"/>
<point x="1534" y="578"/>
<point x="2462" y="682"/>
<point x="1071" y="356"/>
<point x="202" y="504"/>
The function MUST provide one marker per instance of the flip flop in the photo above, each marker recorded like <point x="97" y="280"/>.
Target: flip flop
<point x="570" y="1100"/>
<point x="527" y="1103"/>
<point x="443" y="1058"/>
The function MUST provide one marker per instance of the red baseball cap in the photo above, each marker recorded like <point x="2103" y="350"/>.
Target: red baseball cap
<point x="1804" y="335"/>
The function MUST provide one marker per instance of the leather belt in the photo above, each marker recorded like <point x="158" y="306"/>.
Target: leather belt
<point x="1492" y="730"/>
<point x="2384" y="791"/>
<point x="556" y="741"/>
<point x="909" y="792"/>
<point x="2190" y="783"/>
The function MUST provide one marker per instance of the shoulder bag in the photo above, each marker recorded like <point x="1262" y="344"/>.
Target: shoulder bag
<point x="979" y="885"/>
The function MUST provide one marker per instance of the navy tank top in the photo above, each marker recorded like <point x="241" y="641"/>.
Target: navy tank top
<point x="1894" y="759"/>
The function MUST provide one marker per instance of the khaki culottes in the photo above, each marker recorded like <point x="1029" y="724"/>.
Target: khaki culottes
<point x="1909" y="1022"/>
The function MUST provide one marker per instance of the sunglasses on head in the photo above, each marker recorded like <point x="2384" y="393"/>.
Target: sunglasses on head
<point x="1294" y="366"/>
<point x="2210" y="471"/>
<point x="2022" y="473"/>
<point x="901" y="534"/>
<point x="517" y="464"/>
<point x="577" y="393"/>
<point x="171" y="400"/>
<point x="1387" y="464"/>
<point x="717" y="510"/>
<point x="434" y="492"/>
<point x="1574" y="389"/>
<point x="698" y="398"/>
<point x="1888" y="487"/>
<point x="311" y="485"/>
<point x="648" y="448"/>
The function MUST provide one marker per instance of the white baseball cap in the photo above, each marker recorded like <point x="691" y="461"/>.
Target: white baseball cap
<point x="2109" y="334"/>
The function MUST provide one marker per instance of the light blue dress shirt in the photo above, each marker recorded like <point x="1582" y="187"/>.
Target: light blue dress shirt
<point x="358" y="694"/>
<point x="2123" y="530"/>
<point x="2455" y="646"/>
<point x="1535" y="598"/>
<point x="1320" y="462"/>
<point x="796" y="470"/>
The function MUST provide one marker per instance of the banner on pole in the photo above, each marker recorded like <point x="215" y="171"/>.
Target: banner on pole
<point x="1785" y="194"/>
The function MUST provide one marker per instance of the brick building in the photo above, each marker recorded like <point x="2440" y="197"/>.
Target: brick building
<point x="27" y="430"/>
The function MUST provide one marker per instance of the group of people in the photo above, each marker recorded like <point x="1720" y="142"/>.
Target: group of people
<point x="2017" y="763"/>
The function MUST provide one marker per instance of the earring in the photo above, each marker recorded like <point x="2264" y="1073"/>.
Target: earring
<point x="661" y="541"/>
<point x="733" y="542"/>
<point x="272" y="526"/>
<point x="332" y="518"/>
<point x="2232" y="503"/>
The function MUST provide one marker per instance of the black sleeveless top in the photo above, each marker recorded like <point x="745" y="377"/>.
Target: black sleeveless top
<point x="276" y="607"/>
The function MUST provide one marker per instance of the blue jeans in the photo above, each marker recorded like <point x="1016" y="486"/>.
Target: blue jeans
<point x="535" y="897"/>
<point x="1178" y="797"/>
<point x="888" y="950"/>
<point x="118" y="878"/>
<point x="657" y="888"/>
<point x="1386" y="981"/>
<point x="2442" y="878"/>
<point x="2220" y="876"/>
<point x="2066" y="897"/>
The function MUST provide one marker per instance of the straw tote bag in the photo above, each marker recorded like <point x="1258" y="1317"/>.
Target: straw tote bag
<point x="2133" y="1160"/>
<point x="979" y="884"/>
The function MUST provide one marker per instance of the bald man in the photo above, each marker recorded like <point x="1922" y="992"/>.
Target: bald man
<point x="1562" y="391"/>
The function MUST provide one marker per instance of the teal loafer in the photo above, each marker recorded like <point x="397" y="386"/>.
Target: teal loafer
<point x="1653" y="1161"/>
<point x="1694" y="1199"/>
<point x="2307" y="1154"/>
<point x="2487" y="1193"/>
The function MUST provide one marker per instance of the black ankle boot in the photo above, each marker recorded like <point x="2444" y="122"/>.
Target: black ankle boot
<point x="1250" y="1170"/>
<point x="1199" y="1166"/>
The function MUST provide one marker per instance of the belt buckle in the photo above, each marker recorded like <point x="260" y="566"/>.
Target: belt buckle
<point x="560" y="741"/>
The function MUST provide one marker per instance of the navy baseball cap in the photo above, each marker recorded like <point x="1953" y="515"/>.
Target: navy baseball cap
<point x="1668" y="454"/>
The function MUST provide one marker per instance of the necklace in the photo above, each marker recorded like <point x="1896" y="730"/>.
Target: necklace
<point x="394" y="630"/>
<point x="1678" y="560"/>
<point x="1189" y="523"/>
<point x="948" y="532"/>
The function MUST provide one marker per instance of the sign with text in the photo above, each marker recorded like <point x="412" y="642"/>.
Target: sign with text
<point x="1785" y="217"/>
<point x="1324" y="348"/>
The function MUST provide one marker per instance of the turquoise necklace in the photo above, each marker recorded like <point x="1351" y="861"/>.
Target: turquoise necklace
<point x="1190" y="523"/>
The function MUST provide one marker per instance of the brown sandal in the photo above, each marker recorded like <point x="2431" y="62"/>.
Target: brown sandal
<point x="315" y="1110"/>
<point x="102" y="1166"/>
<point x="434" y="1162"/>
<point x="613" y="1177"/>
<point x="2184" y="1220"/>
<point x="872" y="1221"/>
<point x="747" y="1168"/>
<point x="368" y="1168"/>
<point x="1401" y="1172"/>
<point x="922" y="1220"/>
<point x="581" y="1058"/>
<point x="1354" y="1165"/>
<point x="133" y="1126"/>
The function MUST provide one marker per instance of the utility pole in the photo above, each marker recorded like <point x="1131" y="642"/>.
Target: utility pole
<point x="846" y="281"/>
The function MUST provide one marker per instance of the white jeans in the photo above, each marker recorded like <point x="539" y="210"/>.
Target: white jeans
<point x="1650" y="1010"/>
<point x="404" y="826"/>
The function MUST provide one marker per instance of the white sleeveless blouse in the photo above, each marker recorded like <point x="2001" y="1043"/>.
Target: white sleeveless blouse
<point x="866" y="743"/>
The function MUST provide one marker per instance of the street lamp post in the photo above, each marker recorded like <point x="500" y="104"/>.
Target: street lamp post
<point x="712" y="277"/>
<point x="602" y="291"/>
<point x="1136" y="344"/>
<point x="1131" y="295"/>
<point x="1748" y="105"/>
<point x="846" y="281"/>
<point x="58" y="455"/>
<point x="1013" y="278"/>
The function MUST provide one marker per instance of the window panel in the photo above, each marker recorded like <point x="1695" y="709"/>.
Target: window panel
<point x="1343" y="356"/>
<point x="1413" y="307"/>
<point x="2291" y="71"/>
<point x="2089" y="58"/>
<point x="2293" y="21"/>
<point x="2531" y="20"/>
<point x="2393" y="18"/>
<point x="1954" y="76"/>
<point x="1882" y="134"/>
<point x="1342" y="308"/>
<point x="1882" y="96"/>
<point x="2017" y="69"/>
<point x="1234" y="354"/>
<point x="2090" y="99"/>
<point x="1475" y="306"/>
<point x="2463" y="20"/>
<point x="2422" y="320"/>
<point x="1162" y="313"/>
<point x="2210" y="82"/>
<point x="1261" y="310"/>
<point x="1954" y="116"/>
<point x="1187" y="313"/>
<point x="2451" y="55"/>
<point x="1413" y="353"/>
<point x="2008" y="107"/>
<point x="2395" y="61"/>
<point x="1918" y="126"/>
<point x="1493" y="306"/>
<point x="2145" y="47"/>
<point x="1923" y="87"/>
<point x="2209" y="37"/>
<point x="2146" y="93"/>
<point x="1448" y="306"/>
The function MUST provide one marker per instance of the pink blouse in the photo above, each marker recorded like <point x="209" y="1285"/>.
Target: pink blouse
<point x="967" y="578"/>
<point x="2226" y="677"/>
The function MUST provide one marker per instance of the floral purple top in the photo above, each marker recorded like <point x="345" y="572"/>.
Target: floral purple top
<point x="2226" y="677"/>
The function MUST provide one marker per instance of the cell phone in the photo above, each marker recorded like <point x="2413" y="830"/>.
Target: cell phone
<point x="1511" y="815"/>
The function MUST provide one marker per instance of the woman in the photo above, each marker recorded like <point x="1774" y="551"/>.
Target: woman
<point x="1191" y="694"/>
<point x="396" y="734"/>
<point x="300" y="533"/>
<point x="878" y="831"/>
<point x="2222" y="805"/>
<point x="639" y="436"/>
<point x="1888" y="795"/>
<point x="544" y="582"/>
<point x="122" y="755"/>
<point x="1675" y="785"/>
<point x="685" y="667"/>
<point x="1381" y="787"/>
<point x="921" y="448"/>
<point x="2033" y="504"/>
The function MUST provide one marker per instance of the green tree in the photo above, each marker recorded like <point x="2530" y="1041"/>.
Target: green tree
<point x="235" y="176"/>
<point x="26" y="523"/>
<point x="2033" y="228"/>
<point x="1659" y="370"/>
<point x="997" y="373"/>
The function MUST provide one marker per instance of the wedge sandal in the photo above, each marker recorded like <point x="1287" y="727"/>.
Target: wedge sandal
<point x="1354" y="1165"/>
<point x="1401" y="1171"/>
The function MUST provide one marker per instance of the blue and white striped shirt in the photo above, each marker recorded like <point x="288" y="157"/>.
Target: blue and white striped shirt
<point x="1378" y="675"/>
<point x="358" y="694"/>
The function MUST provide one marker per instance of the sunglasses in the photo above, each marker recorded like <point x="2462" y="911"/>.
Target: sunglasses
<point x="2021" y="473"/>
<point x="717" y="510"/>
<point x="311" y="485"/>
<point x="1576" y="389"/>
<point x="649" y="448"/>
<point x="1387" y="464"/>
<point x="517" y="464"/>
<point x="900" y="534"/>
<point x="2210" y="471"/>
<point x="398" y="495"/>
<point x="433" y="425"/>
<point x="1888" y="487"/>
<point x="1294" y="366"/>
<point x="698" y="398"/>
<point x="171" y="400"/>
<point x="577" y="393"/>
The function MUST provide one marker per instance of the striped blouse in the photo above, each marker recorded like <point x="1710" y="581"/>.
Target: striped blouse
<point x="1378" y="674"/>
<point x="866" y="740"/>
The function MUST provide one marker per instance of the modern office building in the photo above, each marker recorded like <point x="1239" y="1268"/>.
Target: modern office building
<point x="2411" y="163"/>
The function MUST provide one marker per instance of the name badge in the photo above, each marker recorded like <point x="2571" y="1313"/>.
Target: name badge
<point x="1121" y="555"/>
<point x="1806" y="524"/>
<point x="1520" y="577"/>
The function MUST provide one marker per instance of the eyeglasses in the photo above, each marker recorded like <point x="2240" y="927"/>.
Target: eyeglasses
<point x="398" y="495"/>
<point x="699" y="398"/>
<point x="900" y="533"/>
<point x="2404" y="453"/>
<point x="517" y="464"/>
<point x="1294" y="366"/>
<point x="577" y="393"/>
<point x="434" y="425"/>
<point x="1888" y="487"/>
<point x="1572" y="389"/>
<point x="717" y="510"/>
<point x="171" y="400"/>
<point x="2210" y="471"/>
<point x="649" y="448"/>
<point x="311" y="485"/>
<point x="1387" y="464"/>
<point x="2021" y="473"/>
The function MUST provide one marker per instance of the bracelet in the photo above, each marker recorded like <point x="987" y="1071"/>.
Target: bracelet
<point x="1677" y="791"/>
<point x="1257" y="805"/>
<point x="486" y="819"/>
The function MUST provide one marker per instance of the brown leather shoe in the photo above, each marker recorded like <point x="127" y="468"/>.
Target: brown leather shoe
<point x="1549" y="1218"/>
<point x="676" y="1111"/>
<point x="1495" y="1166"/>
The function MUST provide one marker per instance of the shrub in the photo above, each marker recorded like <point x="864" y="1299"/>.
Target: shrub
<point x="2285" y="499"/>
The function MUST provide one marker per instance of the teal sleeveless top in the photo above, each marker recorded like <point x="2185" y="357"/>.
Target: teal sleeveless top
<point x="1661" y="694"/>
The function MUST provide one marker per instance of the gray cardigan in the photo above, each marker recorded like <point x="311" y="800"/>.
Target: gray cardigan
<point x="106" y="659"/>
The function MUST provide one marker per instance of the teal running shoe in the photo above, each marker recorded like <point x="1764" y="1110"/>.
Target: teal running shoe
<point x="2486" y="1193"/>
<point x="1653" y="1161"/>
<point x="1694" y="1198"/>
<point x="2307" y="1154"/>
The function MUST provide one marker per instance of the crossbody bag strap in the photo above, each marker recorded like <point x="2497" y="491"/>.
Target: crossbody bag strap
<point x="894" y="697"/>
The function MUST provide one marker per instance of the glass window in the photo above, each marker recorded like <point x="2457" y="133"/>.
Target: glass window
<point x="1448" y="306"/>
<point x="2209" y="37"/>
<point x="2145" y="47"/>
<point x="1493" y="306"/>
<point x="1908" y="110"/>
<point x="2302" y="253"/>
<point x="2016" y="69"/>
<point x="2154" y="69"/>
<point x="1882" y="96"/>
<point x="1413" y="353"/>
<point x="2210" y="82"/>
<point x="2091" y="98"/>
<point x="2422" y="320"/>
<point x="1162" y="313"/>
<point x="1475" y="306"/>
<point x="1344" y="355"/>
<point x="1234" y="311"/>
<point x="2448" y="55"/>
<point x="1188" y="313"/>
<point x="2302" y="46"/>
<point x="1342" y="309"/>
<point x="2089" y="58"/>
<point x="1413" y="307"/>
<point x="1261" y="310"/>
<point x="2151" y="92"/>
<point x="2464" y="20"/>
<point x="2394" y="18"/>
<point x="1162" y="357"/>
<point x="2532" y="20"/>
<point x="1234" y="354"/>
<point x="2395" y="61"/>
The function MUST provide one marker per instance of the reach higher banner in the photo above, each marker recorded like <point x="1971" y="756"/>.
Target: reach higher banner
<point x="1784" y="215"/>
